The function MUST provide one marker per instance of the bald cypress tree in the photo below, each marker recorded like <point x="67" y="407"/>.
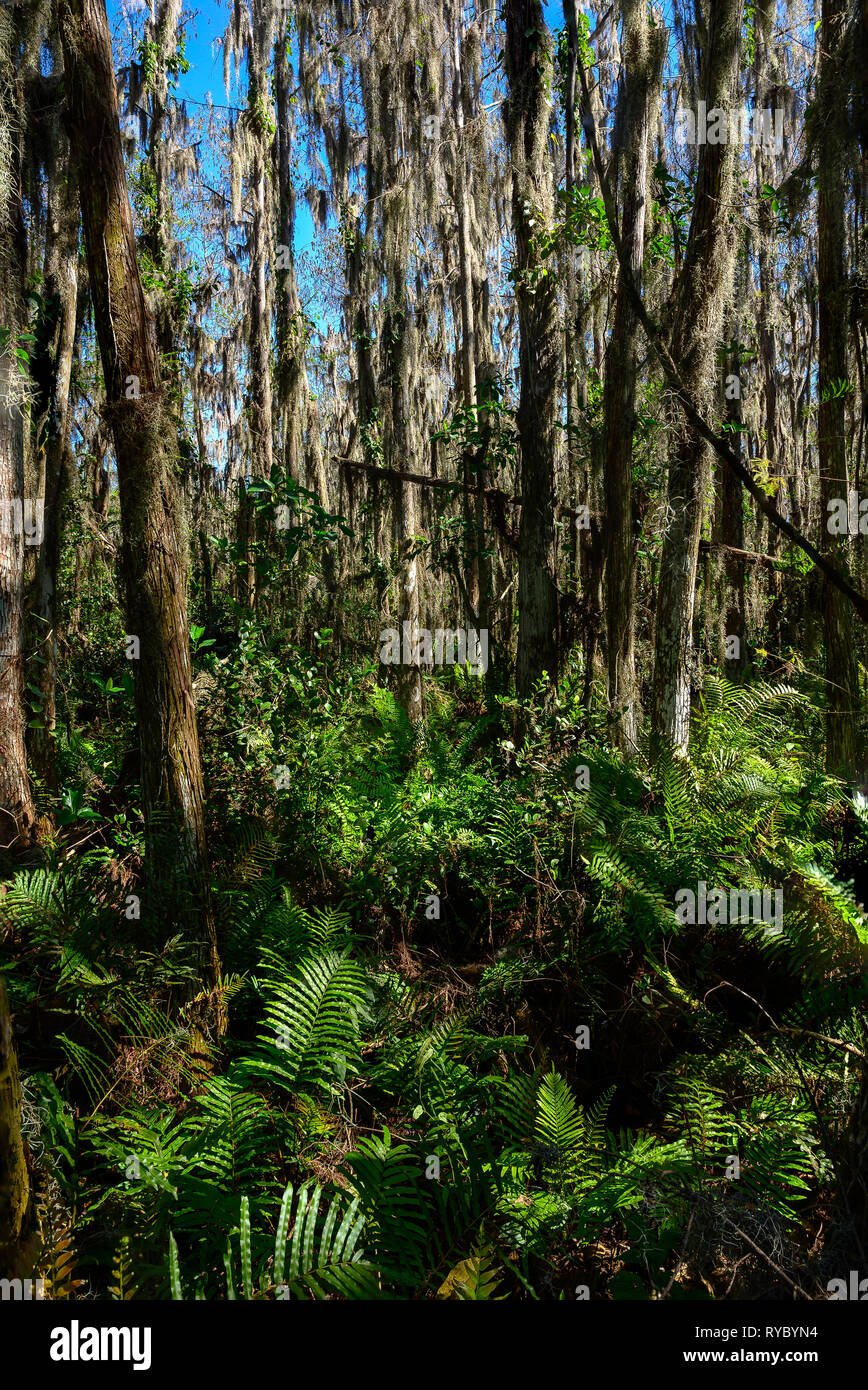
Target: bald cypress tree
<point x="842" y="681"/>
<point x="53" y="370"/>
<point x="154" y="554"/>
<point x="643" y="50"/>
<point x="528" y="60"/>
<point x="17" y="812"/>
<point x="699" y="299"/>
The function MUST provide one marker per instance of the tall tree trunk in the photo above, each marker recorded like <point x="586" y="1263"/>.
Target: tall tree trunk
<point x="478" y="576"/>
<point x="842" y="684"/>
<point x="398" y="329"/>
<point x="642" y="52"/>
<point x="290" y="320"/>
<point x="732" y="529"/>
<point x="397" y="95"/>
<point x="154" y="550"/>
<point x="765" y="176"/>
<point x="572" y="327"/>
<point x="529" y="70"/>
<point x="700" y="299"/>
<point x="17" y="812"/>
<point x="57" y="331"/>
<point x="14" y="1179"/>
<point x="467" y="356"/>
<point x="257" y="117"/>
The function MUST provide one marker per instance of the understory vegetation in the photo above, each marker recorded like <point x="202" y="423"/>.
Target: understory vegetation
<point x="473" y="1054"/>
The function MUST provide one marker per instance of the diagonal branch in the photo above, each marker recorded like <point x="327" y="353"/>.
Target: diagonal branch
<point x="676" y="385"/>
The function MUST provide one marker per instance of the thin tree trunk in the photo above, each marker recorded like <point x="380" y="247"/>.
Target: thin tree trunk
<point x="765" y="175"/>
<point x="467" y="355"/>
<point x="60" y="292"/>
<point x="732" y="533"/>
<point x="529" y="68"/>
<point x="290" y="320"/>
<point x="397" y="328"/>
<point x="701" y="296"/>
<point x="642" y="53"/>
<point x="842" y="684"/>
<point x="14" y="1179"/>
<point x="17" y="812"/>
<point x="257" y="116"/>
<point x="478" y="574"/>
<point x="397" y="94"/>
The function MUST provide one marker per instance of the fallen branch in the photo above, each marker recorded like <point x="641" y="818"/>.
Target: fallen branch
<point x="768" y="1259"/>
<point x="756" y="556"/>
<point x="423" y="480"/>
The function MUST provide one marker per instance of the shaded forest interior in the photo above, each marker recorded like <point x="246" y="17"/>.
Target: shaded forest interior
<point x="434" y="631"/>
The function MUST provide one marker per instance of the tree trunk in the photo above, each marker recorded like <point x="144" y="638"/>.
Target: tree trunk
<point x="257" y="115"/>
<point x="17" y="812"/>
<point x="842" y="684"/>
<point x="529" y="70"/>
<point x="399" y="362"/>
<point x="478" y="573"/>
<point x="467" y="356"/>
<point x="154" y="549"/>
<point x="701" y="295"/>
<point x="60" y="291"/>
<point x="642" y="53"/>
<point x="732" y="534"/>
<point x="14" y="1179"/>
<point x="290" y="320"/>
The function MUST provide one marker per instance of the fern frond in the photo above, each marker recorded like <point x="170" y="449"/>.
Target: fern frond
<point x="473" y="1279"/>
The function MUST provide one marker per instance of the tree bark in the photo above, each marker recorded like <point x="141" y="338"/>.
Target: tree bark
<point x="642" y="52"/>
<point x="700" y="298"/>
<point x="290" y="320"/>
<point x="257" y="116"/>
<point x="14" y="1178"/>
<point x="17" y="812"/>
<point x="53" y="372"/>
<point x="397" y="95"/>
<point x="842" y="682"/>
<point x="732" y="536"/>
<point x="529" y="66"/>
<point x="765" y="244"/>
<point x="154" y="550"/>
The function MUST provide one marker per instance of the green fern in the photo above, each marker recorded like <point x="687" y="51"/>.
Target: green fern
<point x="314" y="1014"/>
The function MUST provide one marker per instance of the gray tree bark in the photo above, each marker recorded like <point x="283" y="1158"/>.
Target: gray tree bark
<point x="642" y="51"/>
<point x="529" y="67"/>
<point x="700" y="299"/>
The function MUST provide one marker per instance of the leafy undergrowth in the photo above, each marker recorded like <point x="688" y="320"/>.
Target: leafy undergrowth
<point x="474" y="1052"/>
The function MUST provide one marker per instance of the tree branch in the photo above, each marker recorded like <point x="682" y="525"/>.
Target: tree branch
<point x="423" y="480"/>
